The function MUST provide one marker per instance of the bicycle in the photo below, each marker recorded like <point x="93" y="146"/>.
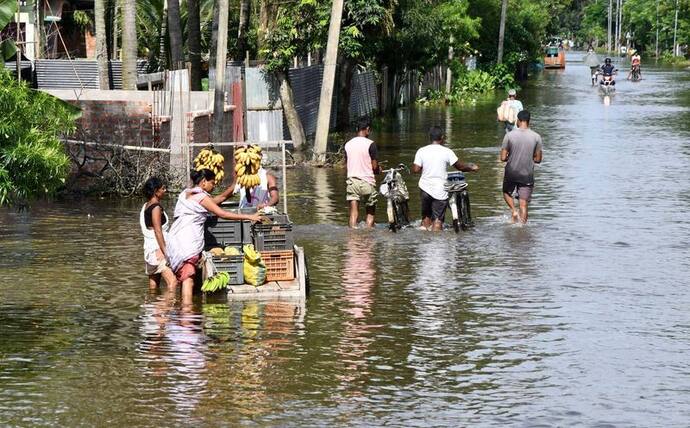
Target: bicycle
<point x="394" y="189"/>
<point x="459" y="201"/>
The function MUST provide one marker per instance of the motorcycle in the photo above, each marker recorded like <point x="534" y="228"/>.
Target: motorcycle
<point x="607" y="85"/>
<point x="394" y="189"/>
<point x="459" y="201"/>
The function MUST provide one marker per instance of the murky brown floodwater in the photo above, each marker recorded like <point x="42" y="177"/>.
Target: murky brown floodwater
<point x="580" y="318"/>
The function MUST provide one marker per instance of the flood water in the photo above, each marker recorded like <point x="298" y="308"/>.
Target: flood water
<point x="582" y="317"/>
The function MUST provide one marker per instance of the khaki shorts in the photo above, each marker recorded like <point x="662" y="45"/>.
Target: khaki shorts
<point x="360" y="190"/>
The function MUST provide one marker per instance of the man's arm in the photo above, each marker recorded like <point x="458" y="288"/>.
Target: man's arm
<point x="374" y="155"/>
<point x="537" y="155"/>
<point x="465" y="167"/>
<point x="538" y="151"/>
<point x="416" y="169"/>
<point x="505" y="149"/>
<point x="272" y="191"/>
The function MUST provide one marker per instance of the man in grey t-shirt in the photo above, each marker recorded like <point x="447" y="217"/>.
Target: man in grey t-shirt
<point x="521" y="149"/>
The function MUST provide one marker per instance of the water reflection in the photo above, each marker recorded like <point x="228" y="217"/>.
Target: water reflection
<point x="173" y="349"/>
<point x="358" y="278"/>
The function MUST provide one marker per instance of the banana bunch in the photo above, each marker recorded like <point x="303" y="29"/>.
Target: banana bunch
<point x="247" y="165"/>
<point x="209" y="158"/>
<point x="216" y="282"/>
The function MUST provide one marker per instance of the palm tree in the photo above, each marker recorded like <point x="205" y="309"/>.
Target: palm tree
<point x="243" y="28"/>
<point x="101" y="45"/>
<point x="175" y="34"/>
<point x="129" y="44"/>
<point x="194" y="43"/>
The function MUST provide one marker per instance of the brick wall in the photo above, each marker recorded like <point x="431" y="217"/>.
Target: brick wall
<point x="120" y="122"/>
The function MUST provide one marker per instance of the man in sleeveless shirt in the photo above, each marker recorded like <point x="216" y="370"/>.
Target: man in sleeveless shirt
<point x="362" y="166"/>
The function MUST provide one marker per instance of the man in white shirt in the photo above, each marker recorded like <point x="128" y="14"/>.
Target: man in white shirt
<point x="432" y="161"/>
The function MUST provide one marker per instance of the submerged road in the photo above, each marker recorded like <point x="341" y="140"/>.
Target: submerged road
<point x="581" y="317"/>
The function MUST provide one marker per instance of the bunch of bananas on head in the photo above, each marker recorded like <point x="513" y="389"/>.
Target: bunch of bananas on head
<point x="247" y="165"/>
<point x="208" y="158"/>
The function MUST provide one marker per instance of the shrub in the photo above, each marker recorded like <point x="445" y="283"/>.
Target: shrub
<point x="33" y="161"/>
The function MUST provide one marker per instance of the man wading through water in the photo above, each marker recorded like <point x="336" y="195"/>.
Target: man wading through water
<point x="362" y="165"/>
<point x="432" y="161"/>
<point x="521" y="149"/>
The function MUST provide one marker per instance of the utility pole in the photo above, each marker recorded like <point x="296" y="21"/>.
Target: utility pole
<point x="656" y="47"/>
<point x="19" y="42"/>
<point x="449" y="73"/>
<point x="608" y="40"/>
<point x="324" y="118"/>
<point x="221" y="54"/>
<point x="675" y="31"/>
<point x="502" y="31"/>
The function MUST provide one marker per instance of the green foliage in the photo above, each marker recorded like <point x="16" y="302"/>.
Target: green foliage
<point x="32" y="159"/>
<point x="82" y="19"/>
<point x="7" y="47"/>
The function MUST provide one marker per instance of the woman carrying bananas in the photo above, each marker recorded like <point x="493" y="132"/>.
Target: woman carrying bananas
<point x="258" y="189"/>
<point x="186" y="237"/>
<point x="154" y="226"/>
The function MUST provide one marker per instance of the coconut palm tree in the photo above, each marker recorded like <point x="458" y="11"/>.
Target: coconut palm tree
<point x="101" y="45"/>
<point x="175" y="35"/>
<point x="194" y="43"/>
<point x="129" y="44"/>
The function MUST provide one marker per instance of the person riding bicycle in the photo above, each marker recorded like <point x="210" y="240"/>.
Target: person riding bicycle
<point x="432" y="161"/>
<point x="635" y="62"/>
<point x="608" y="71"/>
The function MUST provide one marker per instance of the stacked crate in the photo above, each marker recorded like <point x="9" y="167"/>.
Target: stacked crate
<point x="222" y="233"/>
<point x="275" y="241"/>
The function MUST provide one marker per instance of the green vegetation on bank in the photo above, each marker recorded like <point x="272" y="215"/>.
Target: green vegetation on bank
<point x="33" y="162"/>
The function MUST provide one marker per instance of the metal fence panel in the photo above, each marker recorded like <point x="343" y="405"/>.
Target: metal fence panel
<point x="78" y="73"/>
<point x="262" y="90"/>
<point x="264" y="125"/>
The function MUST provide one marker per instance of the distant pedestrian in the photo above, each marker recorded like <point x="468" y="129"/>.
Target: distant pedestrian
<point x="361" y="156"/>
<point x="508" y="110"/>
<point x="432" y="161"/>
<point x="521" y="149"/>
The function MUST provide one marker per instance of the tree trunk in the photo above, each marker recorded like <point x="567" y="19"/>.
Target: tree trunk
<point x="194" y="43"/>
<point x="267" y="18"/>
<point x="502" y="31"/>
<point x="243" y="28"/>
<point x="213" y="48"/>
<point x="175" y="35"/>
<point x="347" y="70"/>
<point x="162" y="50"/>
<point x="291" y="117"/>
<point x="101" y="45"/>
<point x="129" y="45"/>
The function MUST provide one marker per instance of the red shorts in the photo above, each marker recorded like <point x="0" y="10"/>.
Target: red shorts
<point x="188" y="268"/>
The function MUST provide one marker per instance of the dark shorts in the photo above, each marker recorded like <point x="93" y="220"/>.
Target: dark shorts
<point x="433" y="208"/>
<point x="523" y="191"/>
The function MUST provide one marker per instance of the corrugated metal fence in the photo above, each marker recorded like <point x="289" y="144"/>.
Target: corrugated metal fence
<point x="306" y="86"/>
<point x="78" y="73"/>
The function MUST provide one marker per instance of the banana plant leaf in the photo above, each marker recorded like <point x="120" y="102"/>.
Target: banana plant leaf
<point x="7" y="10"/>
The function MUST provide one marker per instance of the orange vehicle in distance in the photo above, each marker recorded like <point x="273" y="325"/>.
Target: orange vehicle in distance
<point x="554" y="56"/>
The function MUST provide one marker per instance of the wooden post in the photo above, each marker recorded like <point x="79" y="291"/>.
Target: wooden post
<point x="221" y="54"/>
<point x="324" y="118"/>
<point x="502" y="31"/>
<point x="449" y="74"/>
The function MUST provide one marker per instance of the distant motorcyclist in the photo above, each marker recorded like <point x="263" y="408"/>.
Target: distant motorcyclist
<point x="608" y="71"/>
<point x="635" y="61"/>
